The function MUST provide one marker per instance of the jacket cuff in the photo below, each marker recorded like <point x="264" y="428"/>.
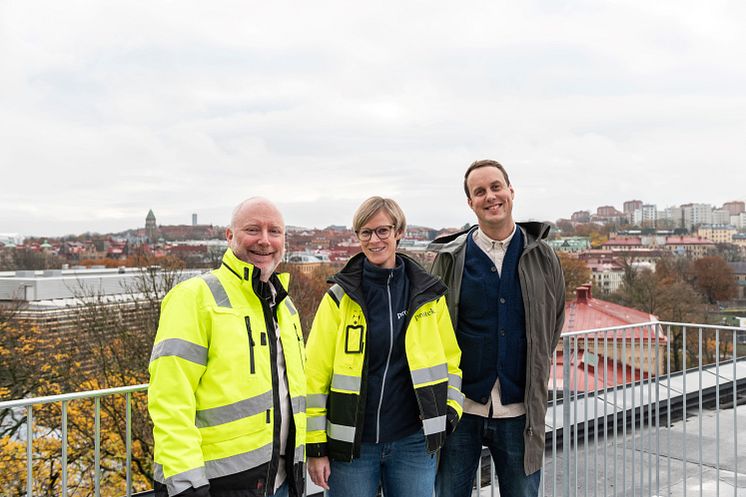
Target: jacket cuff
<point x="452" y="419"/>
<point x="195" y="492"/>
<point x="316" y="449"/>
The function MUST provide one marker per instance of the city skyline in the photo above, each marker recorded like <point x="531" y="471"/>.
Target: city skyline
<point x="410" y="222"/>
<point x="110" y="108"/>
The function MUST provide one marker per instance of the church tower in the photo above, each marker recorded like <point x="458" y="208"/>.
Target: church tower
<point x="150" y="227"/>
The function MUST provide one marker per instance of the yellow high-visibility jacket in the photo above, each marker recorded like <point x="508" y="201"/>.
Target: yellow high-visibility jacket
<point x="213" y="393"/>
<point x="336" y="369"/>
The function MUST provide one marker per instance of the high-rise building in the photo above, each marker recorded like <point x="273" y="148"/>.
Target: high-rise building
<point x="696" y="214"/>
<point x="646" y="215"/>
<point x="631" y="206"/>
<point x="194" y="219"/>
<point x="735" y="207"/>
<point x="607" y="211"/>
<point x="720" y="216"/>
<point x="674" y="217"/>
<point x="580" y="217"/>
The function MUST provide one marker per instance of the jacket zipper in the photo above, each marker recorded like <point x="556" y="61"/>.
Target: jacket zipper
<point x="529" y="344"/>
<point x="388" y="358"/>
<point x="300" y="347"/>
<point x="252" y="344"/>
<point x="272" y="336"/>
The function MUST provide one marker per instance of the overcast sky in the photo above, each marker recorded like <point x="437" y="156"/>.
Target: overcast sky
<point x="108" y="109"/>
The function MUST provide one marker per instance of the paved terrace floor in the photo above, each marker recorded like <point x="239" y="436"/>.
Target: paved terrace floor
<point x="684" y="471"/>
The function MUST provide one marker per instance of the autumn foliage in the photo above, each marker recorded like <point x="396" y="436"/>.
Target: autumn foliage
<point x="576" y="273"/>
<point x="307" y="286"/>
<point x="117" y="337"/>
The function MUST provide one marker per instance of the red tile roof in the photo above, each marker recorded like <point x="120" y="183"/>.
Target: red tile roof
<point x="633" y="241"/>
<point x="586" y="313"/>
<point x="592" y="372"/>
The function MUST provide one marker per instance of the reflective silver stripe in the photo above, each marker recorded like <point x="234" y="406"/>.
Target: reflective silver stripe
<point x="194" y="478"/>
<point x="241" y="462"/>
<point x="158" y="473"/>
<point x="299" y="404"/>
<point x="300" y="453"/>
<point x="238" y="410"/>
<point x="454" y="381"/>
<point x="426" y="375"/>
<point x="344" y="382"/>
<point x="434" y="425"/>
<point x="457" y="396"/>
<point x="180" y="348"/>
<point x="218" y="292"/>
<point x="315" y="423"/>
<point x="340" y="432"/>
<point x="290" y="306"/>
<point x="316" y="400"/>
<point x="338" y="292"/>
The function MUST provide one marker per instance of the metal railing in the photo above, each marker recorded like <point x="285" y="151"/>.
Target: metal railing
<point x="622" y="405"/>
<point x="617" y="422"/>
<point x="64" y="402"/>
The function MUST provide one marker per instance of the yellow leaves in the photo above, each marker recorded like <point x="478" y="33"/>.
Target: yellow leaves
<point x="47" y="449"/>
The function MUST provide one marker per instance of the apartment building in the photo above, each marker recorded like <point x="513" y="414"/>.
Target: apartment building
<point x="718" y="233"/>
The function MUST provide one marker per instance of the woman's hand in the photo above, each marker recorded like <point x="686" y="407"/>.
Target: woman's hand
<point x="319" y="469"/>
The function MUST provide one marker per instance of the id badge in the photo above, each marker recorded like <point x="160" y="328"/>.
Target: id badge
<point x="354" y="339"/>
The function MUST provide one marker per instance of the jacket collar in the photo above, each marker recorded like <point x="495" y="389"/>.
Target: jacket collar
<point x="350" y="278"/>
<point x="380" y="276"/>
<point x="246" y="272"/>
<point x="532" y="230"/>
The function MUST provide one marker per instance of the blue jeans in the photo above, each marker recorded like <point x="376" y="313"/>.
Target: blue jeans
<point x="403" y="468"/>
<point x="460" y="456"/>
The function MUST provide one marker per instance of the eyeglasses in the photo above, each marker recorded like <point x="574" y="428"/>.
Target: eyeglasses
<point x="382" y="232"/>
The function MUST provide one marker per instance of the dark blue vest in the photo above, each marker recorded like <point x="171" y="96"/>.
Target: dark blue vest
<point x="491" y="328"/>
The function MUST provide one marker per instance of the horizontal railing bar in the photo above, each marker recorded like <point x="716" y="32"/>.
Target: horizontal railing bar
<point x="142" y="387"/>
<point x="648" y="324"/>
<point x="612" y="328"/>
<point x="706" y="326"/>
<point x="72" y="396"/>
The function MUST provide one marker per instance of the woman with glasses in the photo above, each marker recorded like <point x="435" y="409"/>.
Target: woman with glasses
<point x="384" y="386"/>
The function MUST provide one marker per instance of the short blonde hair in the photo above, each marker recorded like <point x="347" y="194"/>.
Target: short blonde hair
<point x="372" y="206"/>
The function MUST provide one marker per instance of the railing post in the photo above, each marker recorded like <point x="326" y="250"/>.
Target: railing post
<point x="29" y="451"/>
<point x="97" y="448"/>
<point x="566" y="403"/>
<point x="64" y="448"/>
<point x="128" y="442"/>
<point x="735" y="408"/>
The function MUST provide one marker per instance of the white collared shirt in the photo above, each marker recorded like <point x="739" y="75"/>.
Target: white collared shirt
<point x="495" y="249"/>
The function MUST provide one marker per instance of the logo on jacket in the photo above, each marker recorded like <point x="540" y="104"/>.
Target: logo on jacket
<point x="401" y="314"/>
<point x="424" y="314"/>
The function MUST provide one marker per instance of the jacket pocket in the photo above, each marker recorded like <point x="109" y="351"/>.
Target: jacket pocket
<point x="252" y="344"/>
